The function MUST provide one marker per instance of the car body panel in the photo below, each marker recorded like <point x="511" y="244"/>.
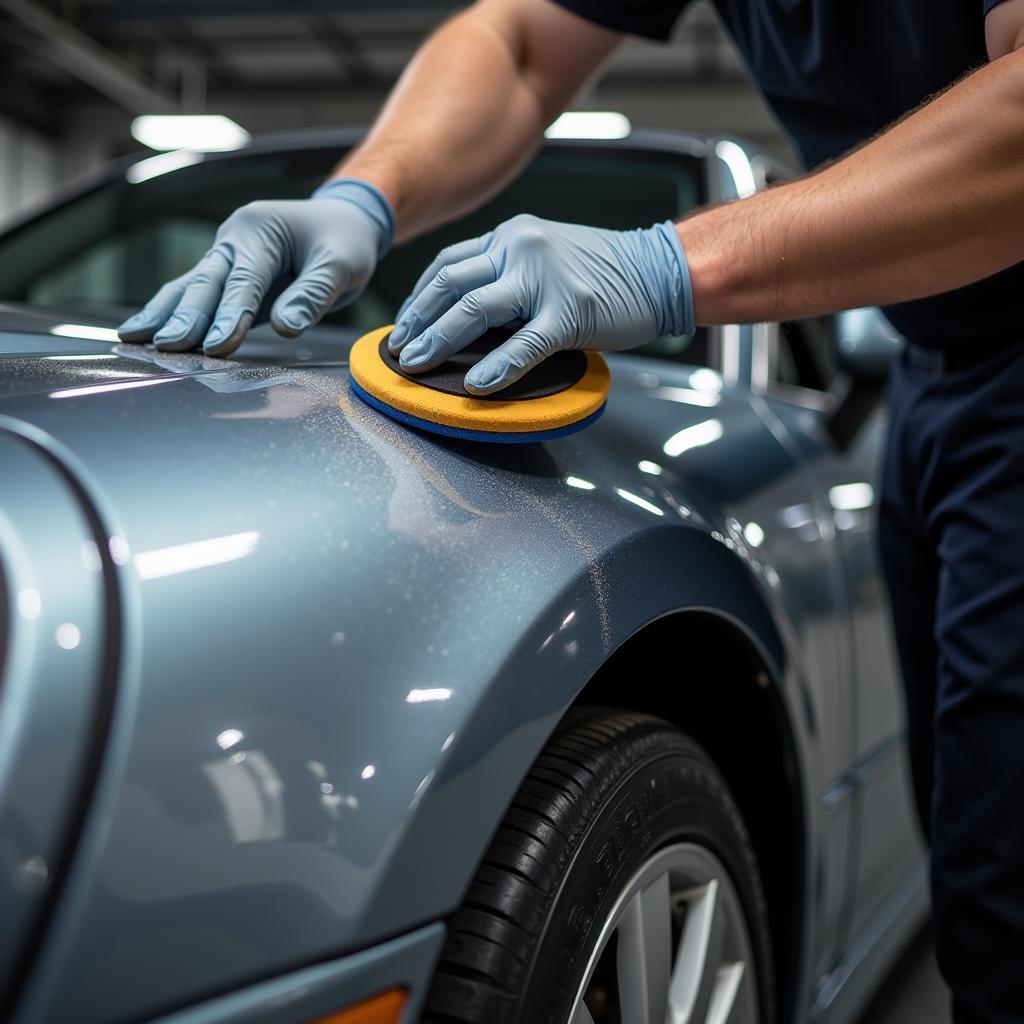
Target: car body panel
<point x="876" y="783"/>
<point x="319" y="991"/>
<point x="242" y="800"/>
<point x="53" y="650"/>
<point x="343" y="642"/>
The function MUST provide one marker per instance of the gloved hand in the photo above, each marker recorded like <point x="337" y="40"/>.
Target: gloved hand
<point x="571" y="286"/>
<point x="330" y="242"/>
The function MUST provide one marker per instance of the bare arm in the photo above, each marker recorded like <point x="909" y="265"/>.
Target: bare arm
<point x="466" y="115"/>
<point x="472" y="106"/>
<point x="934" y="203"/>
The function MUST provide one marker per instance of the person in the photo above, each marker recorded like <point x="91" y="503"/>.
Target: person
<point x="912" y="111"/>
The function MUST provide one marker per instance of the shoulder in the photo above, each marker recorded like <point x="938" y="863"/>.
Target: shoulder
<point x="1004" y="27"/>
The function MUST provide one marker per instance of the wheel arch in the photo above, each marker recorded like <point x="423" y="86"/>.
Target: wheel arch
<point x="669" y="596"/>
<point x="739" y="720"/>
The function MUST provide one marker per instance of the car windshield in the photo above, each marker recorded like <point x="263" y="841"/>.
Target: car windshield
<point x="109" y="250"/>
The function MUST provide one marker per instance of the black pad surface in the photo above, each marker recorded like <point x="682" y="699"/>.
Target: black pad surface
<point x="557" y="373"/>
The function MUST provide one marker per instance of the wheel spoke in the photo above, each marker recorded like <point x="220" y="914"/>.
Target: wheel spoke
<point x="582" y="1015"/>
<point x="723" y="999"/>
<point x="695" y="972"/>
<point x="645" y="955"/>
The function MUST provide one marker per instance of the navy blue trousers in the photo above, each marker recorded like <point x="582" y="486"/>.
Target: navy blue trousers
<point x="952" y="538"/>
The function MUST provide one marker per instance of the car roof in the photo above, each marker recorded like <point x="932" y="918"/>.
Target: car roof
<point x="684" y="143"/>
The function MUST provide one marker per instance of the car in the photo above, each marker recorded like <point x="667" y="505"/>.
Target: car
<point x="307" y="715"/>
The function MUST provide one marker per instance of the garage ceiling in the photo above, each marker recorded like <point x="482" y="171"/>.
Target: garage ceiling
<point x="269" y="64"/>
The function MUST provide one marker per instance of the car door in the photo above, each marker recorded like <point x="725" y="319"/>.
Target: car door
<point x="796" y="370"/>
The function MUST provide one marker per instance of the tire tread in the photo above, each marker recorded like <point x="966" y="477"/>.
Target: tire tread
<point x="488" y="950"/>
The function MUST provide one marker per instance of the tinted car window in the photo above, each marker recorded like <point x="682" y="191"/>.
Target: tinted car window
<point x="110" y="250"/>
<point x="805" y="353"/>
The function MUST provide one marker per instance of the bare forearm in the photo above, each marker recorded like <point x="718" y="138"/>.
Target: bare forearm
<point x="471" y="108"/>
<point x="932" y="204"/>
<point x="459" y="124"/>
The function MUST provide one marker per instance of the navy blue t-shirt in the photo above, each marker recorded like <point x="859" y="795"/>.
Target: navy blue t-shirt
<point x="838" y="71"/>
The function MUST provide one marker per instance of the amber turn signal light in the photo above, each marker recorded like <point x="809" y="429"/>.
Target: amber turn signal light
<point x="383" y="1009"/>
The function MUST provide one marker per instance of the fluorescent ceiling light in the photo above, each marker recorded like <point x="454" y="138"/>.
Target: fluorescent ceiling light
<point x="795" y="516"/>
<point x="79" y="356"/>
<point x="753" y="534"/>
<point x="85" y="331"/>
<point x="704" y="379"/>
<point x="582" y="485"/>
<point x="203" y="132"/>
<point x="639" y="502"/>
<point x="197" y="555"/>
<point x="590" y="124"/>
<point x="229" y="737"/>
<point x="851" y="496"/>
<point x="693" y="437"/>
<point x="432" y="693"/>
<point x="69" y="636"/>
<point x="121" y="385"/>
<point x="30" y="604"/>
<point x="688" y="395"/>
<point x="154" y="166"/>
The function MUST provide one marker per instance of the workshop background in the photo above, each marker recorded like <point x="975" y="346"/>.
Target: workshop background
<point x="75" y="73"/>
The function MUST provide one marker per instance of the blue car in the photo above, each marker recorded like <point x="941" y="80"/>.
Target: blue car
<point x="308" y="716"/>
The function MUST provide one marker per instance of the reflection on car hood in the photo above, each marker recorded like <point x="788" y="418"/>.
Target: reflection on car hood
<point x="340" y="633"/>
<point x="50" y="352"/>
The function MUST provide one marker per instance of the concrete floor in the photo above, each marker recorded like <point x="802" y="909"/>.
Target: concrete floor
<point x="915" y="993"/>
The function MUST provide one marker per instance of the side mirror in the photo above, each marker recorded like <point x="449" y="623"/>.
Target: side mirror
<point x="865" y="344"/>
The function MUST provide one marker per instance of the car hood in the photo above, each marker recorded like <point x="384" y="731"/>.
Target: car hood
<point x="53" y="352"/>
<point x="344" y="640"/>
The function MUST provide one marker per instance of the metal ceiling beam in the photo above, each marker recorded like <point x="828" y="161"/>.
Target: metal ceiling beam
<point x="86" y="60"/>
<point x="198" y="50"/>
<point x="115" y="11"/>
<point x="304" y="90"/>
<point x="348" y="52"/>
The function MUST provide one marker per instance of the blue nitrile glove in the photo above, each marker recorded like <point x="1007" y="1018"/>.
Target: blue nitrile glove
<point x="570" y="286"/>
<point x="330" y="243"/>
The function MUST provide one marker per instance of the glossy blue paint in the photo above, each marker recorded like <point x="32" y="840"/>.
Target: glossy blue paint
<point x="312" y="737"/>
<point x="54" y="687"/>
<point x="313" y="992"/>
<point x="341" y="643"/>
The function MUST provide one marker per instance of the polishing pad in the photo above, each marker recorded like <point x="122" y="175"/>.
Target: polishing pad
<point x="563" y="394"/>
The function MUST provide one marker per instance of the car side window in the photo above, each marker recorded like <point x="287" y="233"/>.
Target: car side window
<point x="605" y="188"/>
<point x="110" y="250"/>
<point x="804" y="357"/>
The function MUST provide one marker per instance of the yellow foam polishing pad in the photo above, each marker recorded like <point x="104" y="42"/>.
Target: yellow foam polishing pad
<point x="563" y="394"/>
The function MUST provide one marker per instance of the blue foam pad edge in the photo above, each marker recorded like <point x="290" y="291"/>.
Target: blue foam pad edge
<point x="491" y="437"/>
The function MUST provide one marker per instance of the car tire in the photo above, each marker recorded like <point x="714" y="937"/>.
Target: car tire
<point x="561" y="925"/>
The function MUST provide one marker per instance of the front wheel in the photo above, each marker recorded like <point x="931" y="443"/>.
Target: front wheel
<point x="620" y="888"/>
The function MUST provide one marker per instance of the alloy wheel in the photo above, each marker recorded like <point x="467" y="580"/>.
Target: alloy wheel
<point x="674" y="949"/>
